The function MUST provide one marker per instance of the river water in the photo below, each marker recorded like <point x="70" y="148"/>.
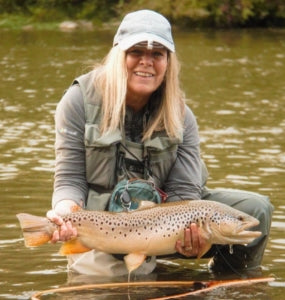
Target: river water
<point x="234" y="82"/>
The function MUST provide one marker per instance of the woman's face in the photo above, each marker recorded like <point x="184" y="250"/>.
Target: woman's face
<point x="146" y="69"/>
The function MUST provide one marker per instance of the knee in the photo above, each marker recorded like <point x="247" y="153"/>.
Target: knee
<point x="263" y="206"/>
<point x="262" y="209"/>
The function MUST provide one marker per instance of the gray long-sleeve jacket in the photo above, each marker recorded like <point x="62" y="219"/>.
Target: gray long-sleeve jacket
<point x="183" y="181"/>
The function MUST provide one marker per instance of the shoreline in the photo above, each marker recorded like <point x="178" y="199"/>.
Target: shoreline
<point x="26" y="23"/>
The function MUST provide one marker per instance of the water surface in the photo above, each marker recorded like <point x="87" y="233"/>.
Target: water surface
<point x="234" y="83"/>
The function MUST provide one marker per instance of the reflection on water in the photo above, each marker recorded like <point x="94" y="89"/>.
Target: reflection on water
<point x="234" y="82"/>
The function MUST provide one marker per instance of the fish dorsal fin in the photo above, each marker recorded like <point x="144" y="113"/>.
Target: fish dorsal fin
<point x="146" y="204"/>
<point x="73" y="246"/>
<point x="134" y="260"/>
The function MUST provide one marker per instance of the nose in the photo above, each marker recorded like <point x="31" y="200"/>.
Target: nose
<point x="146" y="59"/>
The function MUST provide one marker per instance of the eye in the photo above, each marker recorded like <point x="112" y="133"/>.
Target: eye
<point x="157" y="53"/>
<point x="240" y="218"/>
<point x="135" y="52"/>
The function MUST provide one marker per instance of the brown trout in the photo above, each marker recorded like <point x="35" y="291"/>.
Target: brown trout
<point x="149" y="230"/>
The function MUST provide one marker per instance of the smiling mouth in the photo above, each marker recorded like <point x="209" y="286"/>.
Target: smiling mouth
<point x="144" y="74"/>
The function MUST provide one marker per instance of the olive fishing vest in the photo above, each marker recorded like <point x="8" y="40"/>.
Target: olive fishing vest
<point x="105" y="154"/>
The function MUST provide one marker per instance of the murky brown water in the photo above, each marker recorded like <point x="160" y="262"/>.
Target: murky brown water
<point x="234" y="82"/>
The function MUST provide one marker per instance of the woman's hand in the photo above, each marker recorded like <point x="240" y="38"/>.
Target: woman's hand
<point x="192" y="242"/>
<point x="65" y="231"/>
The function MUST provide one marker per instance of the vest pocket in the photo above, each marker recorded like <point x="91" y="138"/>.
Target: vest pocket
<point x="100" y="155"/>
<point x="97" y="201"/>
<point x="101" y="166"/>
<point x="162" y="153"/>
<point x="161" y="162"/>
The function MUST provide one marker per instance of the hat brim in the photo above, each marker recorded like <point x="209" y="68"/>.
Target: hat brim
<point x="134" y="39"/>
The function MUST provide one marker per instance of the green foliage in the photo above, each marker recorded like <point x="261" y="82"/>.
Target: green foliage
<point x="246" y="12"/>
<point x="102" y="10"/>
<point x="50" y="10"/>
<point x="219" y="13"/>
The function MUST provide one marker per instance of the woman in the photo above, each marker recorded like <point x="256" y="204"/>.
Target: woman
<point x="127" y="118"/>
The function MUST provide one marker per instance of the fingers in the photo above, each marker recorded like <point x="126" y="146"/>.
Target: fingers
<point x="188" y="240"/>
<point x="195" y="238"/>
<point x="70" y="232"/>
<point x="55" y="237"/>
<point x="54" y="217"/>
<point x="64" y="233"/>
<point x="65" y="230"/>
<point x="191" y="245"/>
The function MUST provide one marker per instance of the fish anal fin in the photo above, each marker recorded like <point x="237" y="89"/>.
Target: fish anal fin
<point x="73" y="246"/>
<point x="134" y="260"/>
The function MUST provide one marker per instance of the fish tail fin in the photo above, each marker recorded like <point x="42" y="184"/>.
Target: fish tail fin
<point x="36" y="230"/>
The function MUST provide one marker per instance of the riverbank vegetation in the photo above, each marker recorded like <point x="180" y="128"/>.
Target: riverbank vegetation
<point x="202" y="13"/>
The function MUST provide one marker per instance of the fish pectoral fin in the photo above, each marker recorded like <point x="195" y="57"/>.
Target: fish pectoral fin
<point x="73" y="246"/>
<point x="134" y="260"/>
<point x="204" y="249"/>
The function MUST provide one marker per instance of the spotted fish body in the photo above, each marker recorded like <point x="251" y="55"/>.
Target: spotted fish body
<point x="152" y="230"/>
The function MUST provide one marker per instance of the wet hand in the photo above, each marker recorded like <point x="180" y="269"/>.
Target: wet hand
<point x="192" y="242"/>
<point x="65" y="230"/>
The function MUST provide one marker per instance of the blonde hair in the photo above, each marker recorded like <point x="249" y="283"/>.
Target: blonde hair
<point x="111" y="80"/>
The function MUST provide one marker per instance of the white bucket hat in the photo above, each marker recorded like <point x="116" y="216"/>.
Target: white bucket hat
<point x="144" y="26"/>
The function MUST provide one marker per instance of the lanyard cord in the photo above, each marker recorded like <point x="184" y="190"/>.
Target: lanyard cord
<point x="150" y="173"/>
<point x="139" y="161"/>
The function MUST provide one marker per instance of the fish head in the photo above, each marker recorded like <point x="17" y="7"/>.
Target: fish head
<point x="233" y="228"/>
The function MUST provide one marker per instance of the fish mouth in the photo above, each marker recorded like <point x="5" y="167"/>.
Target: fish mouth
<point x="248" y="236"/>
<point x="247" y="225"/>
<point x="243" y="236"/>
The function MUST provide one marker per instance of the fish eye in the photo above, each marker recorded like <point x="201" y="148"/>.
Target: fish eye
<point x="240" y="218"/>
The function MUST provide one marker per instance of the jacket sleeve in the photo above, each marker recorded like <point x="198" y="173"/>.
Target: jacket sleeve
<point x="184" y="180"/>
<point x="70" y="181"/>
